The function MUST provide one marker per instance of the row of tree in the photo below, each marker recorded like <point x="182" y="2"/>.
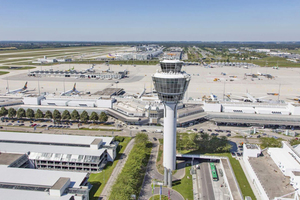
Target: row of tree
<point x="130" y="180"/>
<point x="56" y="115"/>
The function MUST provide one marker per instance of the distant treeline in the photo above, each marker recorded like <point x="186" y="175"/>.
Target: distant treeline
<point x="218" y="45"/>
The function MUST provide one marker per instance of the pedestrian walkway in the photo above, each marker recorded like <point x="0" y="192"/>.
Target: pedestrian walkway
<point x="231" y="181"/>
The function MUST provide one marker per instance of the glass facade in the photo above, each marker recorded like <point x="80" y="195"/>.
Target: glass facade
<point x="173" y="67"/>
<point x="170" y="89"/>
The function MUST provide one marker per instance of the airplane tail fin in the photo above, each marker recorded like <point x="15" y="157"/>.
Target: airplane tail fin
<point x="25" y="86"/>
<point x="74" y="88"/>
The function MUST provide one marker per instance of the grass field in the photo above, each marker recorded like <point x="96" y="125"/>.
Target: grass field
<point x="2" y="72"/>
<point x="156" y="197"/>
<point x="27" y="56"/>
<point x="185" y="185"/>
<point x="271" y="61"/>
<point x="99" y="180"/>
<point x="22" y="68"/>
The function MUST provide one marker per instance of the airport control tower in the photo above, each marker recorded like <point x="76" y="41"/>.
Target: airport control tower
<point x="170" y="83"/>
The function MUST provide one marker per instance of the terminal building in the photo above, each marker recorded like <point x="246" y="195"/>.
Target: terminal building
<point x="249" y="113"/>
<point x="61" y="152"/>
<point x="75" y="74"/>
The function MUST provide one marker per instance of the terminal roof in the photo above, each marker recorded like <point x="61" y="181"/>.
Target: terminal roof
<point x="37" y="177"/>
<point x="8" y="158"/>
<point x="52" y="138"/>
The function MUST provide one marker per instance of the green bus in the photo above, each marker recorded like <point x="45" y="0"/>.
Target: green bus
<point x="214" y="172"/>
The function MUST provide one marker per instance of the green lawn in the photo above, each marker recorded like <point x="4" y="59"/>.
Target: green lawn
<point x="185" y="185"/>
<point x="99" y="180"/>
<point x="272" y="61"/>
<point x="2" y="72"/>
<point x="156" y="197"/>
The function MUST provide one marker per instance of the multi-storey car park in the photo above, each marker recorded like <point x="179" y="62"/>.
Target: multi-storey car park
<point x="61" y="152"/>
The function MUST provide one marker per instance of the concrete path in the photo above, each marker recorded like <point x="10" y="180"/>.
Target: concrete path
<point x="117" y="170"/>
<point x="231" y="181"/>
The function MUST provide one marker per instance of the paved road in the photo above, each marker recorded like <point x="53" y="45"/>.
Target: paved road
<point x="205" y="180"/>
<point x="117" y="170"/>
<point x="152" y="173"/>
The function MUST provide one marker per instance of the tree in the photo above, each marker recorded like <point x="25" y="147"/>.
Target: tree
<point x="21" y="113"/>
<point x="66" y="115"/>
<point x="75" y="115"/>
<point x="12" y="112"/>
<point x="29" y="113"/>
<point x="94" y="116"/>
<point x="103" y="117"/>
<point x="48" y="114"/>
<point x="39" y="114"/>
<point x="84" y="117"/>
<point x="56" y="115"/>
<point x="3" y="111"/>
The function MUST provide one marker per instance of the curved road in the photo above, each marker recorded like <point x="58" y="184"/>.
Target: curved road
<point x="152" y="173"/>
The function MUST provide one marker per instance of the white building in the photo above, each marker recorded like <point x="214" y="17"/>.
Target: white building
<point x="251" y="150"/>
<point x="288" y="161"/>
<point x="34" y="184"/>
<point x="61" y="152"/>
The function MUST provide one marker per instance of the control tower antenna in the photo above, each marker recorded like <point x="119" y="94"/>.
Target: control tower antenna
<point x="170" y="84"/>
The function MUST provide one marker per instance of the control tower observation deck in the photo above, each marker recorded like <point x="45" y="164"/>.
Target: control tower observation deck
<point x="171" y="84"/>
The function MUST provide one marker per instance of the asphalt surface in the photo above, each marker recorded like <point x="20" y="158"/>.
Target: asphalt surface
<point x="117" y="170"/>
<point x="205" y="180"/>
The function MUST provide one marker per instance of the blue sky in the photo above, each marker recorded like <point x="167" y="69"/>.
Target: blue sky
<point x="164" y="20"/>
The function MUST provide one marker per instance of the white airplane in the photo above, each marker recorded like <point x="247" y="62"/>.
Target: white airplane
<point x="91" y="69"/>
<point x="70" y="92"/>
<point x="213" y="97"/>
<point x="248" y="98"/>
<point x="21" y="90"/>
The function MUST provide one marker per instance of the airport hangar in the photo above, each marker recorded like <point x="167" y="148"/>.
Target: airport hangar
<point x="61" y="152"/>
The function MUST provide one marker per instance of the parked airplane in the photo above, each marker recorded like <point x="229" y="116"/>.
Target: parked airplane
<point x="70" y="92"/>
<point x="248" y="98"/>
<point x="21" y="90"/>
<point x="91" y="69"/>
